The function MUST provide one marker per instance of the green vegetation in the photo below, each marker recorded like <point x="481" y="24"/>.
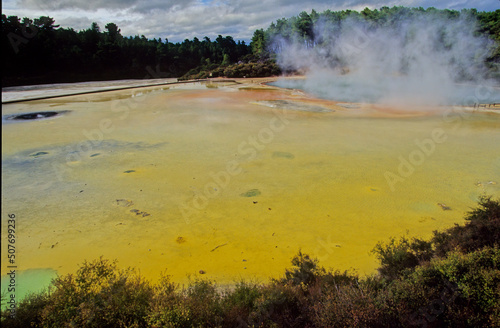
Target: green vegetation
<point x="321" y="30"/>
<point x="306" y="26"/>
<point x="453" y="280"/>
<point x="248" y="66"/>
<point x="38" y="51"/>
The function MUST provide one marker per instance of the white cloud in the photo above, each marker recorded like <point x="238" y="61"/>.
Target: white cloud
<point x="181" y="19"/>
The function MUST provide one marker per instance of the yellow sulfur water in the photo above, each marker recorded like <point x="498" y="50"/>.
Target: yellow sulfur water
<point x="231" y="181"/>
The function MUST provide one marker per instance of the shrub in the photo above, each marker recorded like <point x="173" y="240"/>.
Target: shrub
<point x="336" y="278"/>
<point x="164" y="297"/>
<point x="204" y="302"/>
<point x="349" y="305"/>
<point x="28" y="313"/>
<point x="481" y="229"/>
<point x="487" y="210"/>
<point x="254" y="68"/>
<point x="397" y="257"/>
<point x="239" y="303"/>
<point x="99" y="295"/>
<point x="197" y="306"/>
<point x="305" y="270"/>
<point x="461" y="290"/>
<point x="280" y="305"/>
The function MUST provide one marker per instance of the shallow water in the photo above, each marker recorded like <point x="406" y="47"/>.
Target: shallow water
<point x="394" y="90"/>
<point x="222" y="180"/>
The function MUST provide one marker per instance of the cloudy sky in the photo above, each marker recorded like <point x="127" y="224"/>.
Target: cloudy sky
<point x="184" y="19"/>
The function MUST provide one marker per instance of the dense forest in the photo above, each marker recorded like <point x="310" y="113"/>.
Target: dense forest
<point x="39" y="51"/>
<point x="309" y="28"/>
<point x="451" y="280"/>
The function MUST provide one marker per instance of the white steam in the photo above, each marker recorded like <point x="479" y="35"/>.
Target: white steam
<point x="418" y="60"/>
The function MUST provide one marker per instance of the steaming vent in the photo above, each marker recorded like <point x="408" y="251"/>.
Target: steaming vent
<point x="418" y="58"/>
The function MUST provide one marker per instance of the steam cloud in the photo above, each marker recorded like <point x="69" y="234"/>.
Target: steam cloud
<point x="416" y="60"/>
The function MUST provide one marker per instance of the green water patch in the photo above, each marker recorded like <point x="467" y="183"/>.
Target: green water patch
<point x="251" y="193"/>
<point x="22" y="283"/>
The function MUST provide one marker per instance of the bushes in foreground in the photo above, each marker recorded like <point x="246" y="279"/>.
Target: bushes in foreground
<point x="482" y="229"/>
<point x="453" y="280"/>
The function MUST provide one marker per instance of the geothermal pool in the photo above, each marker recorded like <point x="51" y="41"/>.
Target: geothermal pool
<point x="227" y="181"/>
<point x="393" y="90"/>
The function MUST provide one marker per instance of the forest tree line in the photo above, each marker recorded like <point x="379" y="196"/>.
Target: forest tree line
<point x="305" y="27"/>
<point x="39" y="51"/>
<point x="322" y="31"/>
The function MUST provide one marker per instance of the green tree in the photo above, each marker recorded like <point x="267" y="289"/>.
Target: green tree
<point x="113" y="33"/>
<point x="304" y="27"/>
<point x="258" y="43"/>
<point x="226" y="60"/>
<point x="45" y="23"/>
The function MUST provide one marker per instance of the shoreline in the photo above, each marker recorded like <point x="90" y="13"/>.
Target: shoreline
<point x="20" y="94"/>
<point x="91" y="91"/>
<point x="27" y="93"/>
